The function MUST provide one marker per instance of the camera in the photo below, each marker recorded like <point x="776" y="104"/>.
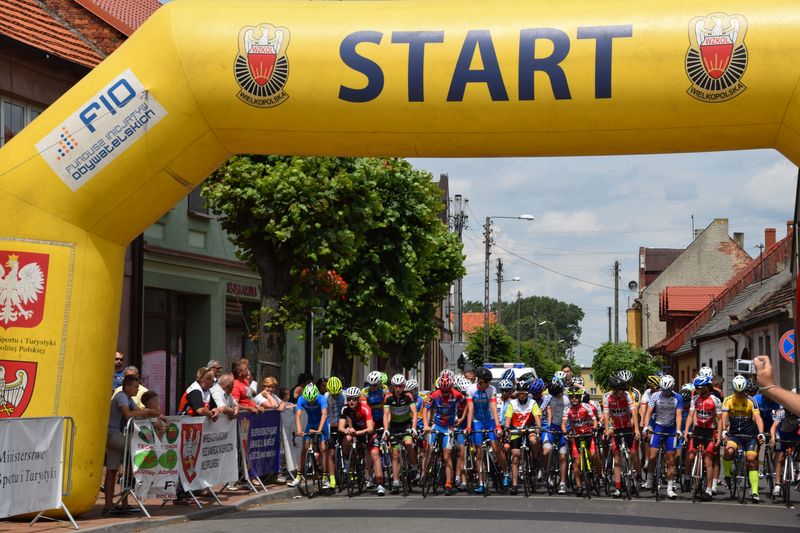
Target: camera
<point x="745" y="366"/>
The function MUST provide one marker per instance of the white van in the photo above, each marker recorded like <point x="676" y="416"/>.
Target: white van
<point x="497" y="370"/>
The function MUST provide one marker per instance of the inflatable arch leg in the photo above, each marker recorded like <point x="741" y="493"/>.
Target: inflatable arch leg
<point x="204" y="79"/>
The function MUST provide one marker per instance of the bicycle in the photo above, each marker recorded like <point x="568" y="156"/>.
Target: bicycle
<point x="768" y="466"/>
<point x="340" y="464"/>
<point x="491" y="470"/>
<point x="660" y="469"/>
<point x="433" y="469"/>
<point x="739" y="479"/>
<point x="354" y="476"/>
<point x="312" y="468"/>
<point x="790" y="473"/>
<point x="552" y="474"/>
<point x="698" y="469"/>
<point x="406" y="475"/>
<point x="586" y="473"/>
<point x="469" y="459"/>
<point x="627" y="474"/>
<point x="526" y="473"/>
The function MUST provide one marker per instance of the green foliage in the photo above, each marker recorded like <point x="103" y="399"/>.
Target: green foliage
<point x="610" y="358"/>
<point x="563" y="319"/>
<point x="502" y="347"/>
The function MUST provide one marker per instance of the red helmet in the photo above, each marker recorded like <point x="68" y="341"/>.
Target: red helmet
<point x="445" y="382"/>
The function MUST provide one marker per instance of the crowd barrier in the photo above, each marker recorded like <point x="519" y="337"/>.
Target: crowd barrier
<point x="176" y="458"/>
<point x="36" y="465"/>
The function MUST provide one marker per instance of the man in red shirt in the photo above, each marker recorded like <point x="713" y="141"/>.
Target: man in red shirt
<point x="241" y="388"/>
<point x="582" y="420"/>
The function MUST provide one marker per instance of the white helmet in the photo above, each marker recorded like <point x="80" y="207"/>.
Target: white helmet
<point x="739" y="383"/>
<point x="398" y="379"/>
<point x="577" y="381"/>
<point x="706" y="371"/>
<point x="447" y="372"/>
<point x="667" y="382"/>
<point x="560" y="375"/>
<point x="462" y="383"/>
<point x="352" y="392"/>
<point x="412" y="385"/>
<point x="374" y="377"/>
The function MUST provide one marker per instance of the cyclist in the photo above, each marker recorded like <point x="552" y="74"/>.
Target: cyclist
<point x="667" y="406"/>
<point x="554" y="438"/>
<point x="562" y="376"/>
<point x="374" y="396"/>
<point x="482" y="414"/>
<point x="413" y="387"/>
<point x="335" y="401"/>
<point x="577" y="381"/>
<point x="316" y="409"/>
<point x="439" y="414"/>
<point x="652" y="386"/>
<point x="356" y="422"/>
<point x="506" y="388"/>
<point x="400" y="417"/>
<point x="461" y="385"/>
<point x="704" y="416"/>
<point x="521" y="412"/>
<point x="786" y="427"/>
<point x="542" y="400"/>
<point x="621" y="421"/>
<point x="580" y="417"/>
<point x="741" y="419"/>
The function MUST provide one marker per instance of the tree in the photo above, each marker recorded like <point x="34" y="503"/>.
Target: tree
<point x="502" y="347"/>
<point x="610" y="358"/>
<point x="562" y="319"/>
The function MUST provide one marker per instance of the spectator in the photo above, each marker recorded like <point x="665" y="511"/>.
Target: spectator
<point x="119" y="357"/>
<point x="123" y="408"/>
<point x="267" y="398"/>
<point x="221" y="397"/>
<point x="302" y="380"/>
<point x="469" y="373"/>
<point x="196" y="401"/>
<point x="252" y="391"/>
<point x="216" y="368"/>
<point x="285" y="396"/>
<point x="716" y="387"/>
<point x="133" y="371"/>
<point x="150" y="401"/>
<point x="241" y="388"/>
<point x="790" y="400"/>
<point x="570" y="374"/>
<point x="322" y="386"/>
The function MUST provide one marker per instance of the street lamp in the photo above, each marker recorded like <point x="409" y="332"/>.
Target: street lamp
<point x="500" y="281"/>
<point x="487" y="237"/>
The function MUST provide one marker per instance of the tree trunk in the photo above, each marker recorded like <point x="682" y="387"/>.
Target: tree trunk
<point x="394" y="359"/>
<point x="271" y="340"/>
<point x="275" y="284"/>
<point x="341" y="363"/>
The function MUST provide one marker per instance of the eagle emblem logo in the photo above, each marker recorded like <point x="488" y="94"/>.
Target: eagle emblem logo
<point x="17" y="380"/>
<point x="22" y="288"/>
<point x="261" y="67"/>
<point x="191" y="435"/>
<point x="717" y="57"/>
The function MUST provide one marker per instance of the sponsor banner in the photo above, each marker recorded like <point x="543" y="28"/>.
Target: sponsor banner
<point x="100" y="130"/>
<point x="261" y="440"/>
<point x="154" y="457"/>
<point x="30" y="465"/>
<point x="208" y="452"/>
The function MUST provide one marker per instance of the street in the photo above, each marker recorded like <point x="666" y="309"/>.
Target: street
<point x="471" y="513"/>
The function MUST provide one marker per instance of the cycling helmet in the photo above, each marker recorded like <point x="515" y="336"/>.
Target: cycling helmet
<point x="311" y="392"/>
<point x="686" y="392"/>
<point x="616" y="383"/>
<point x="574" y="391"/>
<point x="752" y="387"/>
<point x="505" y="385"/>
<point x="509" y="375"/>
<point x="523" y="387"/>
<point x="399" y="380"/>
<point x="626" y="376"/>
<point x="412" y="385"/>
<point x="739" y="383"/>
<point x="353" y="392"/>
<point x="537" y="386"/>
<point x="445" y="382"/>
<point x="462" y="383"/>
<point x="706" y="371"/>
<point x="556" y="387"/>
<point x="653" y="381"/>
<point x="560" y="375"/>
<point x="483" y="374"/>
<point x="374" y="378"/>
<point x="448" y="372"/>
<point x="384" y="378"/>
<point x="702" y="381"/>
<point x="577" y="381"/>
<point x="667" y="382"/>
<point x="334" y="385"/>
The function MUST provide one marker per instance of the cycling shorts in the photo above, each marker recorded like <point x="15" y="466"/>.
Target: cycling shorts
<point x="630" y="442"/>
<point x="333" y="434"/>
<point x="590" y="443"/>
<point x="477" y="438"/>
<point x="669" y="442"/>
<point x="706" y="437"/>
<point x="326" y="432"/>
<point x="447" y="438"/>
<point x="374" y="441"/>
<point x="516" y="441"/>
<point x="787" y="439"/>
<point x="398" y="436"/>
<point x="555" y="438"/>
<point x="748" y="443"/>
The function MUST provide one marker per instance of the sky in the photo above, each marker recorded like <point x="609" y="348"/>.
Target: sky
<point x="592" y="211"/>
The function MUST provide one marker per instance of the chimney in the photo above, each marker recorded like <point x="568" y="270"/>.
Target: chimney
<point x="789" y="226"/>
<point x="769" y="238"/>
<point x="738" y="238"/>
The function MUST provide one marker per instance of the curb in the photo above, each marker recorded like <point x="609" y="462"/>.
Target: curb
<point x="197" y="514"/>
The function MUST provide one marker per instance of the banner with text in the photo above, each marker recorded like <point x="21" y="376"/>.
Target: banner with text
<point x="154" y="457"/>
<point x="208" y="452"/>
<point x="30" y="465"/>
<point x="261" y="439"/>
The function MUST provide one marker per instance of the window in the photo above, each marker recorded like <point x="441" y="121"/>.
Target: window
<point x="591" y="377"/>
<point x="14" y="115"/>
<point x="593" y="391"/>
<point x="197" y="206"/>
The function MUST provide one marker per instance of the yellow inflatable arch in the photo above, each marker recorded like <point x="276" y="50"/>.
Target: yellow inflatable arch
<point x="204" y="79"/>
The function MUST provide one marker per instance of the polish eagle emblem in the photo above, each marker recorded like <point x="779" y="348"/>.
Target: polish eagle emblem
<point x="19" y="290"/>
<point x="16" y="387"/>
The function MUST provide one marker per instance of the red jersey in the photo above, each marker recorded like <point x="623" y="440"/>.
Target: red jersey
<point x="358" y="416"/>
<point x="240" y="393"/>
<point x="581" y="418"/>
<point x="619" y="409"/>
<point x="706" y="409"/>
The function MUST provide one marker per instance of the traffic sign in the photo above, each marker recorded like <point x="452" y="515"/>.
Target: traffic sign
<point x="786" y="346"/>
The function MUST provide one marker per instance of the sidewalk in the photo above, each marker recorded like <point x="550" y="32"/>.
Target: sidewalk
<point x="232" y="500"/>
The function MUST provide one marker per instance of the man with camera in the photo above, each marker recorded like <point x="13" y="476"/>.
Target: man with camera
<point x="763" y="371"/>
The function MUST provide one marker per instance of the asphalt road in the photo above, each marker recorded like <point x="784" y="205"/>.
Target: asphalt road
<point x="465" y="513"/>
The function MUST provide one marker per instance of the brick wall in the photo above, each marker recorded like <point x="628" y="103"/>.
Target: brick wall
<point x="91" y="28"/>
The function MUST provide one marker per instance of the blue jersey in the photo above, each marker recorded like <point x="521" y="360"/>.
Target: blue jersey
<point x="483" y="401"/>
<point x="444" y="408"/>
<point x="312" y="409"/>
<point x="765" y="407"/>
<point x="335" y="406"/>
<point x="420" y="404"/>
<point x="375" y="400"/>
<point x="544" y="403"/>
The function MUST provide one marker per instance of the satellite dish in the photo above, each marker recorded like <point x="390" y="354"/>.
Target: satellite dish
<point x="633" y="286"/>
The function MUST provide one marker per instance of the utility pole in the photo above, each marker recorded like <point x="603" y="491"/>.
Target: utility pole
<point x="609" y="324"/>
<point x="616" y="302"/>
<point x="459" y="223"/>
<point x="487" y="239"/>
<point x="519" y="348"/>
<point x="499" y="287"/>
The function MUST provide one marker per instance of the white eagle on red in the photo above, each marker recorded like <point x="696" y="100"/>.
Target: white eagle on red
<point x="18" y="288"/>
